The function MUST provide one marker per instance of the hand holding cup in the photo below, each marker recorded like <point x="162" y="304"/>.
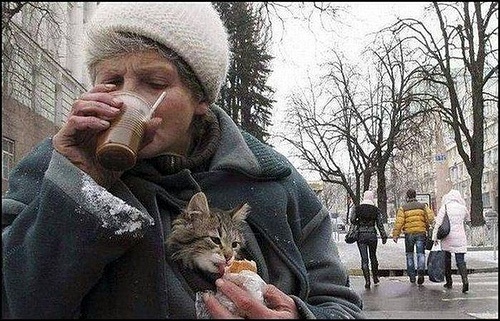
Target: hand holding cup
<point x="90" y="117"/>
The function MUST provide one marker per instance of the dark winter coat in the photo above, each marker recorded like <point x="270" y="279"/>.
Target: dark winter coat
<point x="72" y="249"/>
<point x="367" y="216"/>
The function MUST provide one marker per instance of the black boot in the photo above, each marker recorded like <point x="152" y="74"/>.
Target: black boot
<point x="366" y="274"/>
<point x="420" y="278"/>
<point x="447" y="270"/>
<point x="462" y="269"/>
<point x="375" y="273"/>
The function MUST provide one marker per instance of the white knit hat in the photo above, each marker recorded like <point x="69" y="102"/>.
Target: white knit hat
<point x="193" y="30"/>
<point x="368" y="198"/>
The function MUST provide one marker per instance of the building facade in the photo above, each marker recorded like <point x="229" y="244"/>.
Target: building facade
<point x="458" y="177"/>
<point x="42" y="73"/>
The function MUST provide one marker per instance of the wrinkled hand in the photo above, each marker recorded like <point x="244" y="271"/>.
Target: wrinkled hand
<point x="91" y="114"/>
<point x="278" y="304"/>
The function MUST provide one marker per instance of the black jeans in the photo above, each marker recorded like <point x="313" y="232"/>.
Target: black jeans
<point x="367" y="246"/>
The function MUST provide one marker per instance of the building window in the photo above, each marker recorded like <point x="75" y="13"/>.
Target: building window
<point x="7" y="156"/>
<point x="486" y="200"/>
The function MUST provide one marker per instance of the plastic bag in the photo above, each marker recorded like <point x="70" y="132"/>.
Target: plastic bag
<point x="249" y="280"/>
<point x="435" y="266"/>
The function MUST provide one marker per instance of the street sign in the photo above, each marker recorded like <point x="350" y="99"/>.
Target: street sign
<point x="440" y="158"/>
<point x="424" y="198"/>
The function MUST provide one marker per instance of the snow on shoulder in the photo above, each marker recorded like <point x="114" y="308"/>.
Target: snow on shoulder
<point x="113" y="212"/>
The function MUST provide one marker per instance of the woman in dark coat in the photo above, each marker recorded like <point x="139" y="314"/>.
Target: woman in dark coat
<point x="366" y="215"/>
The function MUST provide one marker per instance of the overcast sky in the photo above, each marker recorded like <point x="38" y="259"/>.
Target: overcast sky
<point x="300" y="49"/>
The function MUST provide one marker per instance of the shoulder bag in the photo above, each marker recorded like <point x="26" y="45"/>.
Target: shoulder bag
<point x="353" y="234"/>
<point x="444" y="228"/>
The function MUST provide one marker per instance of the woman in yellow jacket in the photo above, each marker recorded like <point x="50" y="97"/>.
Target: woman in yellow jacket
<point x="414" y="219"/>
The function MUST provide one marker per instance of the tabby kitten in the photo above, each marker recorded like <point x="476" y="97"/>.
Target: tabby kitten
<point x="207" y="238"/>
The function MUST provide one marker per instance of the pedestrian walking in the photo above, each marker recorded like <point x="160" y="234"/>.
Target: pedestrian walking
<point x="366" y="216"/>
<point x="414" y="220"/>
<point x="455" y="242"/>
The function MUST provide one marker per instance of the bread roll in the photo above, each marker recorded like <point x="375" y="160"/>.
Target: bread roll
<point x="240" y="265"/>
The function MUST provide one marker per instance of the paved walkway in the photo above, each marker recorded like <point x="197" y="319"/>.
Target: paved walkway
<point x="392" y="261"/>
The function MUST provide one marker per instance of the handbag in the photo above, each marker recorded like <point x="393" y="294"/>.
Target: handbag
<point x="444" y="228"/>
<point x="353" y="234"/>
<point x="428" y="240"/>
<point x="435" y="265"/>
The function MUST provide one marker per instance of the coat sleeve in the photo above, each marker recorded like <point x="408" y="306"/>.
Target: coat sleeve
<point x="330" y="295"/>
<point x="400" y="221"/>
<point x="439" y="221"/>
<point x="380" y="226"/>
<point x="430" y="215"/>
<point x="467" y="215"/>
<point x="353" y="217"/>
<point x="60" y="230"/>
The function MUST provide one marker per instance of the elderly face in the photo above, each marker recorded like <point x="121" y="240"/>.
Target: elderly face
<point x="149" y="74"/>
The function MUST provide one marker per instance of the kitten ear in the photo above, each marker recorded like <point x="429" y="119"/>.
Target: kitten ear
<point x="199" y="203"/>
<point x="240" y="214"/>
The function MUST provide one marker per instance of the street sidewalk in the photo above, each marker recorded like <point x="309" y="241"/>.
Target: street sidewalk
<point x="392" y="260"/>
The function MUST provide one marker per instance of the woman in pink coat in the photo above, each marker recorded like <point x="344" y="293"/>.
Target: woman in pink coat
<point x="456" y="242"/>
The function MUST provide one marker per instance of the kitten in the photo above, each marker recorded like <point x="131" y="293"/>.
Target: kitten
<point x="207" y="239"/>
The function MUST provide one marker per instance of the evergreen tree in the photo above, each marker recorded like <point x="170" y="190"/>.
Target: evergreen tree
<point x="245" y="95"/>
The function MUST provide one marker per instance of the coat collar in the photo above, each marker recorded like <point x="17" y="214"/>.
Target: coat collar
<point x="241" y="152"/>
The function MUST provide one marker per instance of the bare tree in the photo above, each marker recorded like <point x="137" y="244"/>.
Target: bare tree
<point x="279" y="12"/>
<point x="364" y="120"/>
<point x="320" y="128"/>
<point x="21" y="20"/>
<point x="462" y="57"/>
<point x="334" y="197"/>
<point x="399" y="106"/>
<point x="39" y="20"/>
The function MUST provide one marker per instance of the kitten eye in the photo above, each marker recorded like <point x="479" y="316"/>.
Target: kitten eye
<point x="216" y="240"/>
<point x="235" y="244"/>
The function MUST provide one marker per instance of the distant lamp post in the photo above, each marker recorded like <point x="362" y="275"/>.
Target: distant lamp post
<point x="454" y="174"/>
